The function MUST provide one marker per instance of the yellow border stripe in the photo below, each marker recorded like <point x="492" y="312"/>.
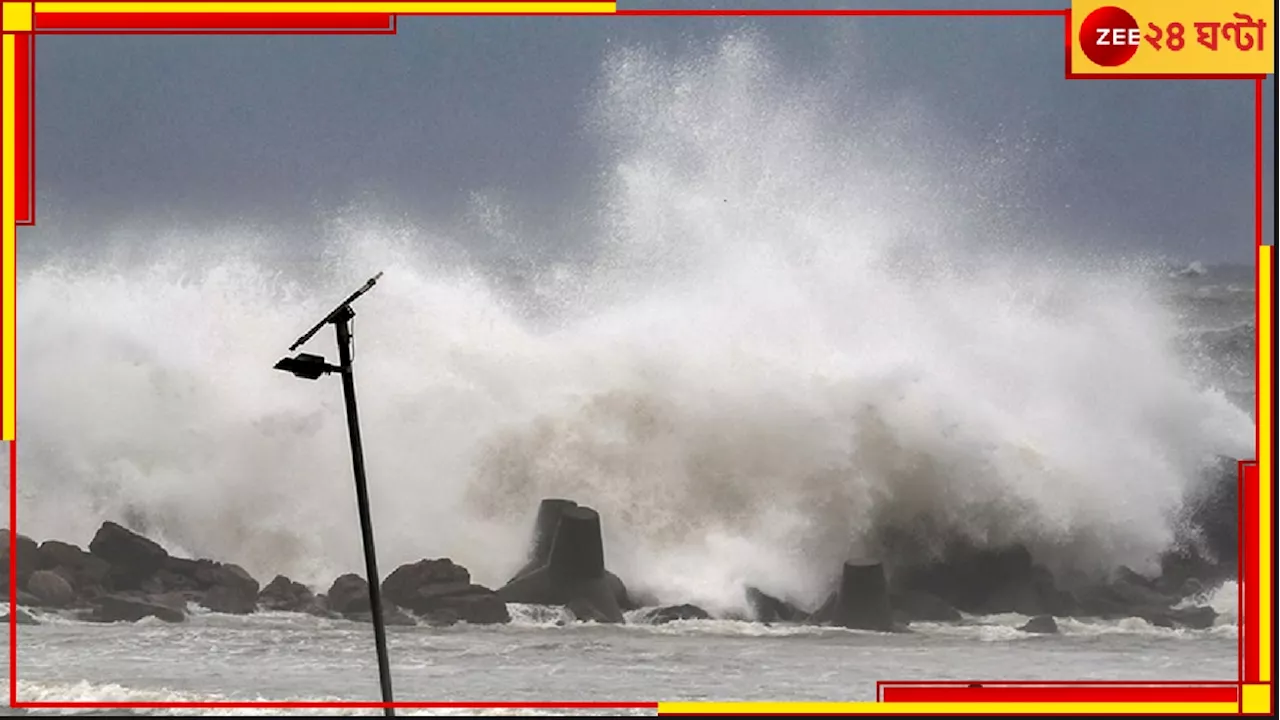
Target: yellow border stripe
<point x="878" y="708"/>
<point x="1256" y="699"/>
<point x="53" y="6"/>
<point x="9" y="240"/>
<point x="1265" y="458"/>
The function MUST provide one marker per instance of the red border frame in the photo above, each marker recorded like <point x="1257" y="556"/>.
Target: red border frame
<point x="385" y="24"/>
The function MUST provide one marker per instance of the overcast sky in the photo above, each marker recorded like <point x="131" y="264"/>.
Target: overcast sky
<point x="272" y="128"/>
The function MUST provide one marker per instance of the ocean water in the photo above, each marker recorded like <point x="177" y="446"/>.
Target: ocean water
<point x="278" y="656"/>
<point x="785" y="334"/>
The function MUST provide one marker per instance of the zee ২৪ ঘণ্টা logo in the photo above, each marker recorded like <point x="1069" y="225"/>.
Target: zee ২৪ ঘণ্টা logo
<point x="1172" y="37"/>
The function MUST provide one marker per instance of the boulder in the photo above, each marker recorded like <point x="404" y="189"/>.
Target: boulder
<point x="1041" y="625"/>
<point x="50" y="589"/>
<point x="167" y="581"/>
<point x="671" y="613"/>
<point x="232" y="590"/>
<point x="768" y="609"/>
<point x="28" y="558"/>
<point x="348" y="594"/>
<point x="986" y="581"/>
<point x="86" y="572"/>
<point x="391" y="615"/>
<point x="480" y="606"/>
<point x="283" y="594"/>
<point x="132" y="608"/>
<point x="193" y="573"/>
<point x="861" y="601"/>
<point x="442" y="590"/>
<point x="133" y="558"/>
<point x="1127" y="594"/>
<point x="404" y="585"/>
<point x="1193" y="618"/>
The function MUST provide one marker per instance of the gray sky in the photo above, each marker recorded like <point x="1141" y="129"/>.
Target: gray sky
<point x="275" y="129"/>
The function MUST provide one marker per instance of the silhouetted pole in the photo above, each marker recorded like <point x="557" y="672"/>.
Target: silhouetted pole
<point x="311" y="367"/>
<point x="342" y="323"/>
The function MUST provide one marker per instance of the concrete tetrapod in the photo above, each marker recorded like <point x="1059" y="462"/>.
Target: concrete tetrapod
<point x="860" y="602"/>
<point x="573" y="574"/>
<point x="544" y="533"/>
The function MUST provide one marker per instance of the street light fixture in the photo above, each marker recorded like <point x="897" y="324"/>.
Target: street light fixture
<point x="312" y="367"/>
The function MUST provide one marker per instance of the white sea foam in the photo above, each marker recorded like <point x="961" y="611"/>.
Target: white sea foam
<point x="792" y="327"/>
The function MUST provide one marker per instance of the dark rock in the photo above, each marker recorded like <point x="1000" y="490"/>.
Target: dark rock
<point x="1034" y="593"/>
<point x="86" y="572"/>
<point x="1131" y="588"/>
<point x="126" y="608"/>
<point x="186" y="568"/>
<point x="922" y="607"/>
<point x="23" y="617"/>
<point x="232" y="591"/>
<point x="225" y="599"/>
<point x="1126" y="595"/>
<point x="133" y="558"/>
<point x="165" y="580"/>
<point x="987" y="581"/>
<point x="406" y="583"/>
<point x="768" y="609"/>
<point x="441" y="618"/>
<point x="442" y="589"/>
<point x="50" y="589"/>
<point x="26" y="599"/>
<point x="574" y="571"/>
<point x="348" y="594"/>
<point x="391" y="615"/>
<point x="1041" y="624"/>
<point x="860" y="602"/>
<point x="55" y="553"/>
<point x="206" y="573"/>
<point x="28" y="558"/>
<point x="1194" y="618"/>
<point x="321" y="608"/>
<point x="348" y="597"/>
<point x="285" y="595"/>
<point x="671" y="613"/>
<point x="476" y="608"/>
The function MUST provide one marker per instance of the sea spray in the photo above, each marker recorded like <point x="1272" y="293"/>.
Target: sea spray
<point x="798" y="334"/>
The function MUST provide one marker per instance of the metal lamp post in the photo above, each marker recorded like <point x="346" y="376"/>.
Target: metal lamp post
<point x="311" y="367"/>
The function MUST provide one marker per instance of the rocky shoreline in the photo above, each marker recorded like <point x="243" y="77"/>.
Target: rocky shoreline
<point x="125" y="577"/>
